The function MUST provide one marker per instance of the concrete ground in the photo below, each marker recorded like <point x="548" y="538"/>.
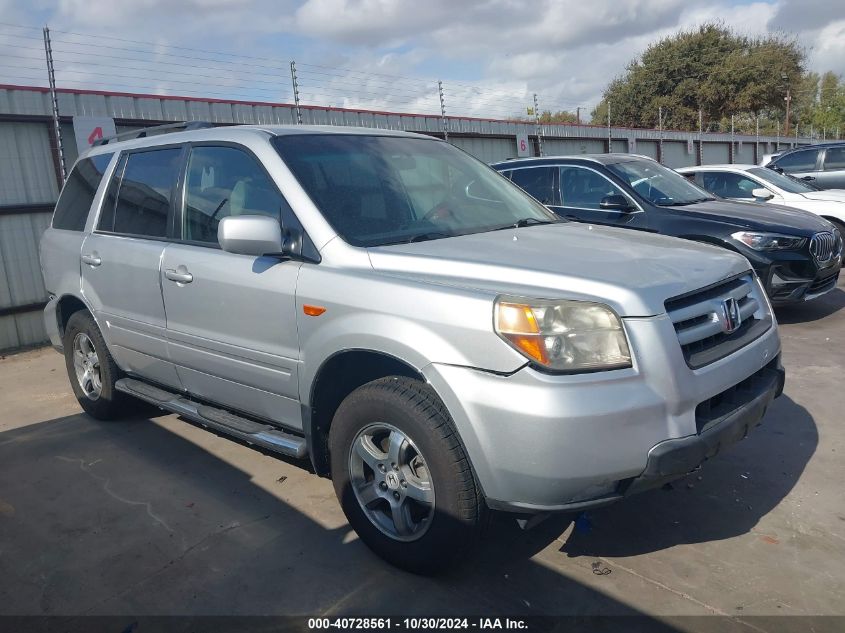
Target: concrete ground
<point x="156" y="516"/>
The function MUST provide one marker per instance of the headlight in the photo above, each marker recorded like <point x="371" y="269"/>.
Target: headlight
<point x="567" y="336"/>
<point x="768" y="241"/>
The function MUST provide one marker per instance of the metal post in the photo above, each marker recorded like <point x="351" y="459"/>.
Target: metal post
<point x="295" y="91"/>
<point x="757" y="138"/>
<point x="824" y="134"/>
<point x="51" y="78"/>
<point x="777" y="146"/>
<point x="796" y="135"/>
<point x="660" y="134"/>
<point x="443" y="118"/>
<point x="732" y="156"/>
<point x="578" y="115"/>
<point x="700" y="146"/>
<point x="609" y="131"/>
<point x="539" y="127"/>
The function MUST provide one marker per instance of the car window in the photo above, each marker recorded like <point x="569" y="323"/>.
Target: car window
<point x="583" y="188"/>
<point x="834" y="158"/>
<point x="79" y="191"/>
<point x="538" y="181"/>
<point x="142" y="195"/>
<point x="377" y="190"/>
<point x="222" y="182"/>
<point x="783" y="181"/>
<point x="658" y="184"/>
<point x="728" y="185"/>
<point x="804" y="160"/>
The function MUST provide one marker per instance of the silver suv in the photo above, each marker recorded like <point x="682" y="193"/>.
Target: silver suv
<point x="433" y="339"/>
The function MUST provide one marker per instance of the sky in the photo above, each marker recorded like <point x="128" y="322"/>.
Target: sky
<point x="492" y="56"/>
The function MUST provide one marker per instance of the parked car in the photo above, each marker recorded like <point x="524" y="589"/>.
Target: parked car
<point x="796" y="254"/>
<point x="750" y="183"/>
<point x="436" y="341"/>
<point x="822" y="164"/>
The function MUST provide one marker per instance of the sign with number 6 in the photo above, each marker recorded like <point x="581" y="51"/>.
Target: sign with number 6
<point x="522" y="147"/>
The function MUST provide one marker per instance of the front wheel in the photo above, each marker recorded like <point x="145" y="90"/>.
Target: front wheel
<point x="401" y="476"/>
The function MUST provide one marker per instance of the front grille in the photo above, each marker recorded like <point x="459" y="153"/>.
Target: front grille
<point x="715" y="409"/>
<point x="823" y="246"/>
<point x="706" y="320"/>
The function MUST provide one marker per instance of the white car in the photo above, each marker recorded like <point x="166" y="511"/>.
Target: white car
<point x="752" y="183"/>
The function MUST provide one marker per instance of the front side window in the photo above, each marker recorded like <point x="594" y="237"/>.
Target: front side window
<point x="804" y="160"/>
<point x="143" y="194"/>
<point x="377" y="190"/>
<point x="537" y="181"/>
<point x="224" y="182"/>
<point x="79" y="191"/>
<point x="583" y="188"/>
<point x="834" y="159"/>
<point x="729" y="185"/>
<point x="658" y="184"/>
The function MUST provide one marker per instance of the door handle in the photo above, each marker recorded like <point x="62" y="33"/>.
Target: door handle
<point x="92" y="260"/>
<point x="808" y="178"/>
<point x="179" y="276"/>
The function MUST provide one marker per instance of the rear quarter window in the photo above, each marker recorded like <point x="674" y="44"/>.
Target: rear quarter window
<point x="804" y="160"/>
<point x="78" y="193"/>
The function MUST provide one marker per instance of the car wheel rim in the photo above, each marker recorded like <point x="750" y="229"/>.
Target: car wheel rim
<point x="86" y="365"/>
<point x="391" y="481"/>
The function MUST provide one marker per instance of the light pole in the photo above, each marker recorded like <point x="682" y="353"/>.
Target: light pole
<point x="788" y="99"/>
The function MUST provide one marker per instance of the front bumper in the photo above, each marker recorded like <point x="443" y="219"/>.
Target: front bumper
<point x="541" y="443"/>
<point x="787" y="284"/>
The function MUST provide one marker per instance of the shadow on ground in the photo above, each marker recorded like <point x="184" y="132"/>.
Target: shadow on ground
<point x="127" y="517"/>
<point x="814" y="310"/>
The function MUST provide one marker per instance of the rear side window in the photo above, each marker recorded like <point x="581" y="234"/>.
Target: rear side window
<point x="537" y="181"/>
<point x="798" y="161"/>
<point x="141" y="198"/>
<point x="78" y="193"/>
<point x="729" y="185"/>
<point x="834" y="159"/>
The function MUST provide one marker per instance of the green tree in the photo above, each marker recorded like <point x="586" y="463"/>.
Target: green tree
<point x="709" y="68"/>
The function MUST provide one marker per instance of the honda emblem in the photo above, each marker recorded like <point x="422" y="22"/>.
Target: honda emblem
<point x="731" y="318"/>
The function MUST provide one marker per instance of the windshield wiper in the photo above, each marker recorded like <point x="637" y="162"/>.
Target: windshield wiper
<point x="424" y="237"/>
<point x="523" y="222"/>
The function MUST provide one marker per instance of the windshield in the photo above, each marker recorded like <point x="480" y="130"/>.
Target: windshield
<point x="377" y="190"/>
<point x="658" y="184"/>
<point x="787" y="183"/>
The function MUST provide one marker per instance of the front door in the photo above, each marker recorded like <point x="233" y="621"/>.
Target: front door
<point x="581" y="191"/>
<point x="832" y="175"/>
<point x="231" y="319"/>
<point x="120" y="263"/>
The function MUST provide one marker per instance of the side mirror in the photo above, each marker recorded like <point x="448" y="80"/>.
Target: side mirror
<point x="761" y="193"/>
<point x="254" y="235"/>
<point x="615" y="202"/>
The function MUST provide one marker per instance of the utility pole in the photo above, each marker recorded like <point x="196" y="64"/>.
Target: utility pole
<point x="443" y="118"/>
<point x="788" y="100"/>
<point x="700" y="146"/>
<point x="295" y="92"/>
<point x="54" y="102"/>
<point x="660" y="134"/>
<point x="609" y="132"/>
<point x="756" y="138"/>
<point x="539" y="127"/>
<point x="578" y="115"/>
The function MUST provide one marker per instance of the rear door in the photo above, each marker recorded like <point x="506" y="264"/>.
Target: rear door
<point x="832" y="175"/>
<point x="121" y="260"/>
<point x="581" y="191"/>
<point x="231" y="319"/>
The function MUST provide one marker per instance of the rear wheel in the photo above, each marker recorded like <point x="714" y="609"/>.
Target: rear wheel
<point x="91" y="368"/>
<point x="402" y="477"/>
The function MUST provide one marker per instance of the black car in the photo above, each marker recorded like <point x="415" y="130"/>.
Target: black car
<point x="796" y="254"/>
<point x="823" y="164"/>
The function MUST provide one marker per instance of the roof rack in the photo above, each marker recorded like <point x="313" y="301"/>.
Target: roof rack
<point x="184" y="126"/>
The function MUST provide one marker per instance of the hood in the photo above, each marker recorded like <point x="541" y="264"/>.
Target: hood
<point x="757" y="216"/>
<point x="837" y="195"/>
<point x="630" y="271"/>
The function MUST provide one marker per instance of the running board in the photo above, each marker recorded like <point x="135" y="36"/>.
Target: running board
<point x="251" y="431"/>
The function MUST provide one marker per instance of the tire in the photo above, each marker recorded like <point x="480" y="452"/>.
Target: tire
<point x="98" y="398"/>
<point x="436" y="536"/>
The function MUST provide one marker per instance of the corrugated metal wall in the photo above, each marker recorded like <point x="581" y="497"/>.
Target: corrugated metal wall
<point x="27" y="177"/>
<point x="744" y="154"/>
<point x="27" y="171"/>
